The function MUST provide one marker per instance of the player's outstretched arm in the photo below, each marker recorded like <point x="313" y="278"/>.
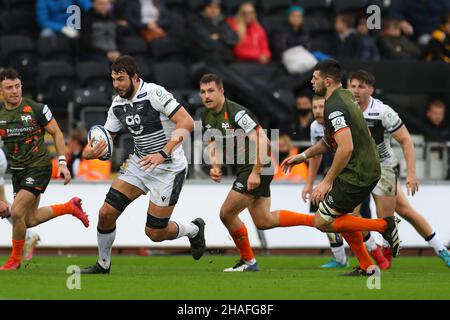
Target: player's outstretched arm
<point x="53" y="129"/>
<point x="319" y="148"/>
<point x="404" y="138"/>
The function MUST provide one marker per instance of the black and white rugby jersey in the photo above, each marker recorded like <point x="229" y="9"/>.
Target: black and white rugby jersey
<point x="147" y="118"/>
<point x="383" y="121"/>
<point x="317" y="132"/>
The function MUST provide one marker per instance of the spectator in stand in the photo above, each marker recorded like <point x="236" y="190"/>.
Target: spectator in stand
<point x="99" y="39"/>
<point x="286" y="149"/>
<point x="418" y="19"/>
<point x="293" y="33"/>
<point x="212" y="38"/>
<point x="149" y="18"/>
<point x="439" y="45"/>
<point x="369" y="48"/>
<point x="52" y="16"/>
<point x="253" y="45"/>
<point x="437" y="129"/>
<point x="304" y="117"/>
<point x="347" y="42"/>
<point x="395" y="46"/>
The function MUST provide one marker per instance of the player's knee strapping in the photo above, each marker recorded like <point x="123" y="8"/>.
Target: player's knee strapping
<point x="156" y="223"/>
<point x="335" y="239"/>
<point x="117" y="199"/>
<point x="327" y="213"/>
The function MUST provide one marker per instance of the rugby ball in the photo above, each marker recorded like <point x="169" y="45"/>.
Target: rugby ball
<point x="98" y="133"/>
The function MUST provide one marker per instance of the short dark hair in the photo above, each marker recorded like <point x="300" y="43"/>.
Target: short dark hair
<point x="211" y="77"/>
<point x="363" y="76"/>
<point x="125" y="64"/>
<point x="329" y="68"/>
<point x="10" y="74"/>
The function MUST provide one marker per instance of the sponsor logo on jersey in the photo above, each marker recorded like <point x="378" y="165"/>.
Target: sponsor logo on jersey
<point x="245" y="121"/>
<point x="225" y="125"/>
<point x="208" y="126"/>
<point x="374" y="114"/>
<point x="48" y="114"/>
<point x="163" y="198"/>
<point x="26" y="119"/>
<point x="335" y="114"/>
<point x="338" y="123"/>
<point x="239" y="186"/>
<point x="142" y="95"/>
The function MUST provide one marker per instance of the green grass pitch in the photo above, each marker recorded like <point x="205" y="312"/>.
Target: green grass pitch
<point x="180" y="277"/>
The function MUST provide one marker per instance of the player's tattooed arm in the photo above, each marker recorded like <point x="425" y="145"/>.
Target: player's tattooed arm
<point x="53" y="129"/>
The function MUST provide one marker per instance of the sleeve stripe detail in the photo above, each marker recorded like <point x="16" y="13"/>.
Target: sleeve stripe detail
<point x="175" y="111"/>
<point x="167" y="103"/>
<point x="340" y="131"/>
<point x="400" y="124"/>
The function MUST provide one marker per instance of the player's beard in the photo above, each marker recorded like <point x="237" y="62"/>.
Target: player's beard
<point x="127" y="95"/>
<point x="321" y="90"/>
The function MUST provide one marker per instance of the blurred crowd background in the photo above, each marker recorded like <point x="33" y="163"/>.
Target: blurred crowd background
<point x="263" y="49"/>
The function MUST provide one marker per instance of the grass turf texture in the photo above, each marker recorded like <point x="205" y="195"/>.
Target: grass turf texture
<point x="180" y="277"/>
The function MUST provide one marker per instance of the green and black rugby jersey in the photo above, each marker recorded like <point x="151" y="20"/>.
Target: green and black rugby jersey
<point x="343" y="113"/>
<point x="229" y="128"/>
<point x="22" y="131"/>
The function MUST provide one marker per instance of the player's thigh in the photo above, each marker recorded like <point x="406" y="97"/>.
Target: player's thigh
<point x="385" y="192"/>
<point x="235" y="203"/>
<point x="385" y="205"/>
<point x="260" y="212"/>
<point x="119" y="196"/>
<point x="23" y="203"/>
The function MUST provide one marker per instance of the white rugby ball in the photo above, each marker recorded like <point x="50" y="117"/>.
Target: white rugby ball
<point x="98" y="133"/>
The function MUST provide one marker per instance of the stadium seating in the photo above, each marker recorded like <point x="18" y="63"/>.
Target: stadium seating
<point x="172" y="75"/>
<point x="57" y="48"/>
<point x="135" y="46"/>
<point x="22" y="5"/>
<point x="168" y="49"/>
<point x="275" y="6"/>
<point x="95" y="75"/>
<point x="91" y="116"/>
<point x="56" y="84"/>
<point x="19" y="52"/>
<point x="18" y="22"/>
<point x="348" y="6"/>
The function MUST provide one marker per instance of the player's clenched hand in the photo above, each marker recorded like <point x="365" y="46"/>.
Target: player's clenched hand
<point x="412" y="184"/>
<point x="319" y="193"/>
<point x="151" y="161"/>
<point x="215" y="174"/>
<point x="253" y="182"/>
<point x="62" y="170"/>
<point x="94" y="152"/>
<point x="4" y="209"/>
<point x="291" y="161"/>
<point x="306" y="192"/>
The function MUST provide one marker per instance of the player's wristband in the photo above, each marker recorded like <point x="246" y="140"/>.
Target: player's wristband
<point x="64" y="163"/>
<point x="62" y="158"/>
<point x="164" y="154"/>
<point x="304" y="156"/>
